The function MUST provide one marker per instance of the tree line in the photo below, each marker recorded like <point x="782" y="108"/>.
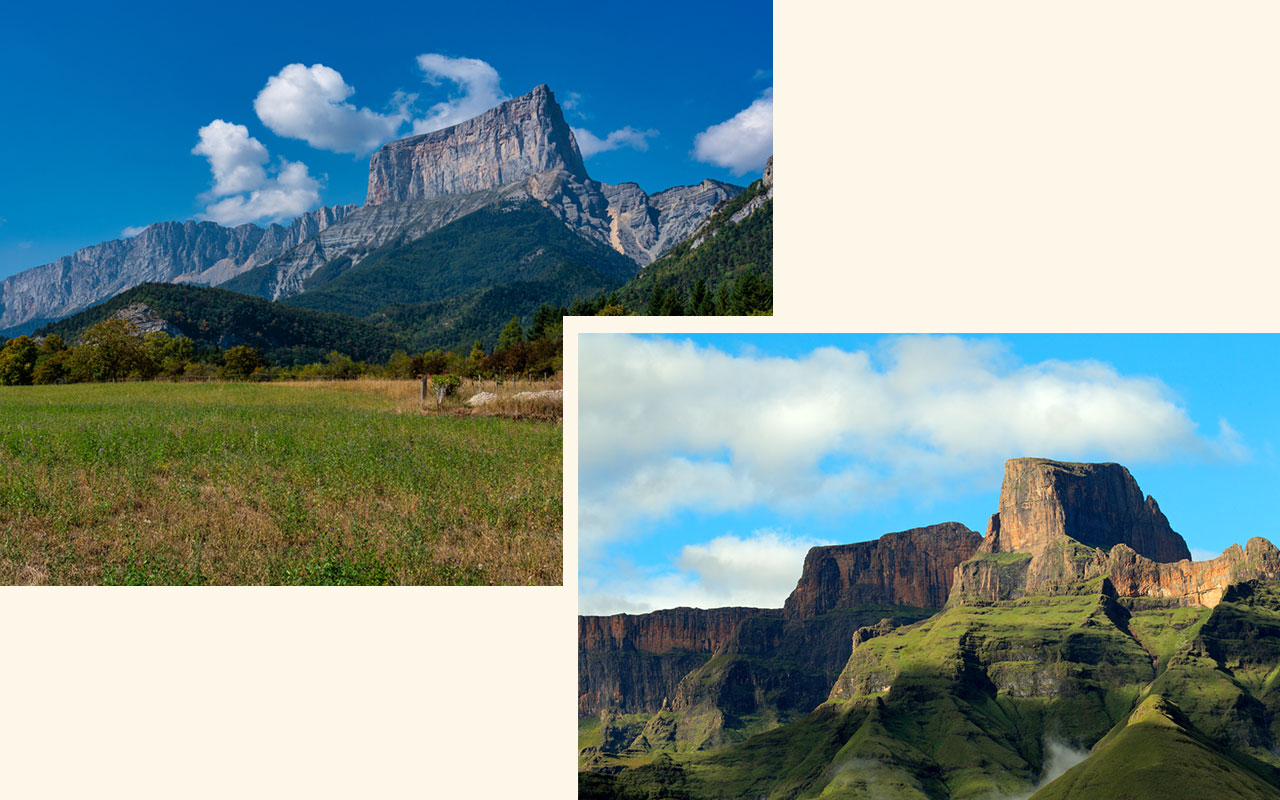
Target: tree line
<point x="116" y="350"/>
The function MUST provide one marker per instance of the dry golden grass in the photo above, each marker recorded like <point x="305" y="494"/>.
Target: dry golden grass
<point x="405" y="396"/>
<point x="263" y="484"/>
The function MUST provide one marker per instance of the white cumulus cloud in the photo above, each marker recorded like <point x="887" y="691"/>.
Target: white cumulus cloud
<point x="250" y="192"/>
<point x="590" y="144"/>
<point x="742" y="143"/>
<point x="667" y="426"/>
<point x="478" y="90"/>
<point x="309" y="103"/>
<point x="757" y="571"/>
<point x="132" y="230"/>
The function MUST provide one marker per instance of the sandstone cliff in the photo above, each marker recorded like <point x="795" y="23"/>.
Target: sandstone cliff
<point x="1062" y="524"/>
<point x="633" y="662"/>
<point x="914" y="568"/>
<point x="1098" y="505"/>
<point x="171" y="252"/>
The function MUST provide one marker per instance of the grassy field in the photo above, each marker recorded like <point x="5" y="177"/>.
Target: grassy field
<point x="308" y="483"/>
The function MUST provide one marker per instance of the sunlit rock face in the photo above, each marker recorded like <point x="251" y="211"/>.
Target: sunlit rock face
<point x="1061" y="524"/>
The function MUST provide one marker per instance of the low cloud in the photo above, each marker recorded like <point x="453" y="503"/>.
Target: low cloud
<point x="244" y="189"/>
<point x="309" y="103"/>
<point x="477" y="86"/>
<point x="132" y="230"/>
<point x="590" y="144"/>
<point x="758" y="570"/>
<point x="744" y="142"/>
<point x="312" y="104"/>
<point x="669" y="426"/>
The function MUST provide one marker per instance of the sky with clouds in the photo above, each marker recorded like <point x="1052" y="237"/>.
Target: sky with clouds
<point x="708" y="465"/>
<point x="253" y="113"/>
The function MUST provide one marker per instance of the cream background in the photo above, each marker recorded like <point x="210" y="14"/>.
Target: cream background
<point x="944" y="166"/>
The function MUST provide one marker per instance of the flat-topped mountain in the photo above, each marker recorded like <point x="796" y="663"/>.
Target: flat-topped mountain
<point x="913" y="568"/>
<point x="1061" y="523"/>
<point x="1098" y="505"/>
<point x="519" y="152"/>
<point x="1078" y="624"/>
<point x="511" y="142"/>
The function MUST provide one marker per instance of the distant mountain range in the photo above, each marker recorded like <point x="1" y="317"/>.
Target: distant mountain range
<point x="518" y="158"/>
<point x="1075" y="651"/>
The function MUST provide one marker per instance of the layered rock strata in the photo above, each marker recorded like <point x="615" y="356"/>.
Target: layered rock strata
<point x="634" y="662"/>
<point x="521" y="149"/>
<point x="913" y="568"/>
<point x="1062" y="524"/>
<point x="167" y="252"/>
<point x="508" y="143"/>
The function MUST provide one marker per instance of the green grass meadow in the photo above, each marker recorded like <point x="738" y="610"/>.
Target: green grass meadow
<point x="237" y="483"/>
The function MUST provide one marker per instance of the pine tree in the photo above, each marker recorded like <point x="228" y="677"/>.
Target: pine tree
<point x="511" y="335"/>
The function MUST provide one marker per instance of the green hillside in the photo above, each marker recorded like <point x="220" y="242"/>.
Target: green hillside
<point x="1158" y="754"/>
<point x="219" y="317"/>
<point x="518" y="243"/>
<point x="975" y="701"/>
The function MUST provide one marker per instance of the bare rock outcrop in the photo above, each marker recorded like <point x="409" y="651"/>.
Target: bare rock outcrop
<point x="146" y="320"/>
<point x="634" y="662"/>
<point x="643" y="227"/>
<point x="1061" y="525"/>
<point x="914" y="568"/>
<point x="1192" y="582"/>
<point x="168" y="252"/>
<point x="1098" y="505"/>
<point x="508" y="143"/>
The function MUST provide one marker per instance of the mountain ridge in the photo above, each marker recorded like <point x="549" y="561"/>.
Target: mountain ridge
<point x="520" y="149"/>
<point x="1070" y="613"/>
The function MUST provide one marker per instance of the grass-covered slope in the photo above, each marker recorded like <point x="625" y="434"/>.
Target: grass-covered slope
<point x="718" y="253"/>
<point x="1157" y="755"/>
<point x="285" y="334"/>
<point x="975" y="702"/>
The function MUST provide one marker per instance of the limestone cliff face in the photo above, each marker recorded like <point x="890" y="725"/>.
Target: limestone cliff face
<point x="643" y="227"/>
<point x="506" y="144"/>
<point x="633" y="662"/>
<point x="192" y="252"/>
<point x="520" y="149"/>
<point x="1061" y="524"/>
<point x="914" y="568"/>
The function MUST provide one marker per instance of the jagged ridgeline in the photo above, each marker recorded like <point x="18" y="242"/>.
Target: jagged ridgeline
<point x="462" y="229"/>
<point x="1075" y="651"/>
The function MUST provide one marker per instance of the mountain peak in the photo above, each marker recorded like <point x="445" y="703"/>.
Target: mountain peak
<point x="512" y="141"/>
<point x="913" y="567"/>
<point x="1098" y="505"/>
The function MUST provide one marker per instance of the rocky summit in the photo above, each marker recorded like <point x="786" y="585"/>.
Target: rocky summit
<point x="1075" y="651"/>
<point x="521" y="150"/>
<point x="511" y="142"/>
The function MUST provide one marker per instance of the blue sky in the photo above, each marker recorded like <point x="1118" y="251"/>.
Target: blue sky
<point x="709" y="463"/>
<point x="104" y="104"/>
